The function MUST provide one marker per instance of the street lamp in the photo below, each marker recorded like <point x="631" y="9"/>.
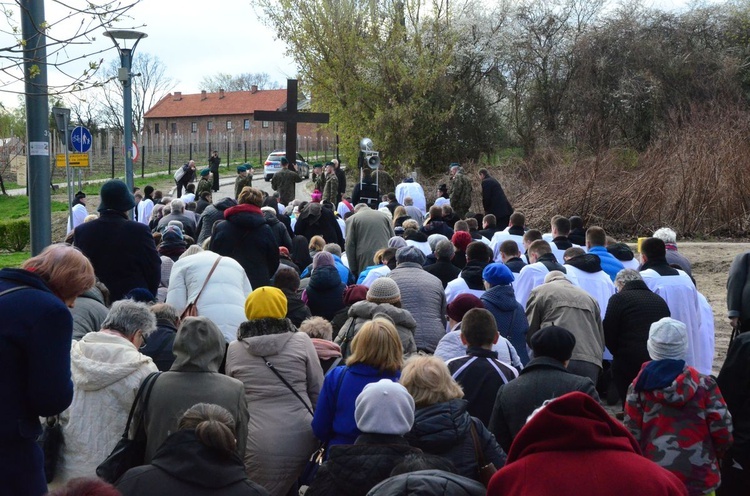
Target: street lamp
<point x="124" y="76"/>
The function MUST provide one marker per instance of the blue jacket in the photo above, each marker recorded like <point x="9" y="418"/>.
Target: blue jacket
<point x="334" y="414"/>
<point x="35" y="338"/>
<point x="344" y="273"/>
<point x="610" y="264"/>
<point x="509" y="316"/>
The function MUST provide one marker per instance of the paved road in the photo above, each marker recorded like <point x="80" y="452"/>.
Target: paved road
<point x="226" y="187"/>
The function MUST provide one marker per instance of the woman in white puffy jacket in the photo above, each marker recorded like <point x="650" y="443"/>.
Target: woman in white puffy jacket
<point x="222" y="300"/>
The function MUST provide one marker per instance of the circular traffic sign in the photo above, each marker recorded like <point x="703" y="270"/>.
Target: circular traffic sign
<point x="135" y="151"/>
<point x="80" y="138"/>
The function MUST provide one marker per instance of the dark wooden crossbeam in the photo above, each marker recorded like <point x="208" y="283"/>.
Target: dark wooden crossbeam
<point x="291" y="117"/>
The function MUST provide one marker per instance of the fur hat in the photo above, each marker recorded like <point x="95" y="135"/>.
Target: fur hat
<point x="462" y="304"/>
<point x="554" y="342"/>
<point x="498" y="274"/>
<point x="384" y="407"/>
<point x="266" y="302"/>
<point x="383" y="290"/>
<point x="667" y="339"/>
<point x="116" y="196"/>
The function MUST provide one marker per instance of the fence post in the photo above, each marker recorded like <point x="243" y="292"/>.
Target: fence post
<point x="113" y="162"/>
<point x="260" y="152"/>
<point x="169" y="166"/>
<point x="143" y="160"/>
<point x="228" y="152"/>
<point x="190" y="155"/>
<point x="244" y="143"/>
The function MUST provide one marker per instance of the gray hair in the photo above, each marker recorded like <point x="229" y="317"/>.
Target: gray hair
<point x="128" y="317"/>
<point x="408" y="201"/>
<point x="625" y="276"/>
<point x="666" y="234"/>
<point x="360" y="206"/>
<point x="410" y="254"/>
<point x="191" y="250"/>
<point x="434" y="239"/>
<point x="410" y="224"/>
<point x="177" y="206"/>
<point x="444" y="250"/>
<point x="333" y="249"/>
<point x="166" y="311"/>
<point x="317" y="327"/>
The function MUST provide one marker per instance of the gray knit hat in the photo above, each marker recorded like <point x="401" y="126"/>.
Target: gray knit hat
<point x="384" y="407"/>
<point x="383" y="290"/>
<point x="667" y="339"/>
<point x="410" y="254"/>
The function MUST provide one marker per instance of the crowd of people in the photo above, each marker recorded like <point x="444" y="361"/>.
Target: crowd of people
<point x="377" y="346"/>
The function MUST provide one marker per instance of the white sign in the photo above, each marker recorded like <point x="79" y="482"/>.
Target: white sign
<point x="39" y="148"/>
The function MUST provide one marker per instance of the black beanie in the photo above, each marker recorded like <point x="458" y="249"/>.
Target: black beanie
<point x="115" y="196"/>
<point x="554" y="342"/>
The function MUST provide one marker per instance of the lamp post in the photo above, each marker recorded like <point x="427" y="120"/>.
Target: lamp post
<point x="125" y="77"/>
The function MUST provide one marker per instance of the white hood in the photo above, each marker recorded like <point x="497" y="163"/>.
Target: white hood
<point x="100" y="359"/>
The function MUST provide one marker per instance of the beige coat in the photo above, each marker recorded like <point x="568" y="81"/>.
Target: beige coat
<point x="280" y="438"/>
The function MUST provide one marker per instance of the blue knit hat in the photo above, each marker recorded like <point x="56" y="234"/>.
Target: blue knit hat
<point x="498" y="274"/>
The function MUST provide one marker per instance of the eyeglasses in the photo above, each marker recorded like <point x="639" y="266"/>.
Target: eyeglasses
<point x="143" y="340"/>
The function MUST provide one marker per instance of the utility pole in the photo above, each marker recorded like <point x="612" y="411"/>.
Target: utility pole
<point x="37" y="123"/>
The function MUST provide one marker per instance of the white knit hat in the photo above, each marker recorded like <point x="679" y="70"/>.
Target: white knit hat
<point x="667" y="339"/>
<point x="384" y="407"/>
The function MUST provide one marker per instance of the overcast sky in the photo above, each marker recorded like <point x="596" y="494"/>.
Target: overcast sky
<point x="198" y="38"/>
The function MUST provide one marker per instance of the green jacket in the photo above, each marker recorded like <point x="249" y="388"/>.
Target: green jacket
<point x="331" y="189"/>
<point x="240" y="183"/>
<point x="461" y="191"/>
<point x="203" y="185"/>
<point x="284" y="183"/>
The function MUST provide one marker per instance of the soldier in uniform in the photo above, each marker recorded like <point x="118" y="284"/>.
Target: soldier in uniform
<point x="318" y="178"/>
<point x="205" y="184"/>
<point x="284" y="182"/>
<point x="331" y="188"/>
<point x="244" y="178"/>
<point x="461" y="191"/>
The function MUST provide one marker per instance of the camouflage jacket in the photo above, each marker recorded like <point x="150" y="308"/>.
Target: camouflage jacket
<point x="203" y="185"/>
<point x="681" y="423"/>
<point x="241" y="182"/>
<point x="331" y="189"/>
<point x="319" y="182"/>
<point x="460" y="193"/>
<point x="284" y="182"/>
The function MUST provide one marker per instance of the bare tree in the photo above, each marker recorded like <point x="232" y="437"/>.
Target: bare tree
<point x="150" y="85"/>
<point x="240" y="82"/>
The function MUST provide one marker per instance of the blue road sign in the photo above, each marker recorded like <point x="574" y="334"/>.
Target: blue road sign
<point x="80" y="138"/>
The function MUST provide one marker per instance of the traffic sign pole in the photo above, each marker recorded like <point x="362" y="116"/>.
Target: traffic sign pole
<point x="68" y="178"/>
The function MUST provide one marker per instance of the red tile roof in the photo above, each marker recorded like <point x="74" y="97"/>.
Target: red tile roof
<point x="233" y="103"/>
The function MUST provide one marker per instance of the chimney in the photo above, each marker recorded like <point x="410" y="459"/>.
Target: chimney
<point x="177" y="96"/>
<point x="203" y="95"/>
<point x="254" y="88"/>
<point x="221" y="93"/>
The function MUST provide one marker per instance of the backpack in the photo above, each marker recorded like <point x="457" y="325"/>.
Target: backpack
<point x="179" y="173"/>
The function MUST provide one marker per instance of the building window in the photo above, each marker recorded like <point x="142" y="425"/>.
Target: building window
<point x="265" y="123"/>
<point x="194" y="127"/>
<point x="229" y="124"/>
<point x="156" y="128"/>
<point x="174" y="128"/>
<point x="246" y="124"/>
<point x="210" y="125"/>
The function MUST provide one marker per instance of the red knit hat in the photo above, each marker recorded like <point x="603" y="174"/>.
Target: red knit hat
<point x="461" y="239"/>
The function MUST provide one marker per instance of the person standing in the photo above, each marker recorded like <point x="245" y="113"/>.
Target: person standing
<point x="367" y="231"/>
<point x="78" y="208"/>
<point x="409" y="188"/>
<point x="318" y="178"/>
<point x="341" y="176"/>
<point x="331" y="188"/>
<point x="284" y="182"/>
<point x="738" y="292"/>
<point x="146" y="205"/>
<point x="213" y="164"/>
<point x="35" y="357"/>
<point x="244" y="178"/>
<point x="188" y="176"/>
<point x="494" y="200"/>
<point x="205" y="183"/>
<point x="461" y="191"/>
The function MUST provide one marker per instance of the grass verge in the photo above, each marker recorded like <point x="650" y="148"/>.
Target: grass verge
<point x="13" y="259"/>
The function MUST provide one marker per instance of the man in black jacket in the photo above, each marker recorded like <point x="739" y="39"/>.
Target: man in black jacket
<point x="545" y="377"/>
<point x="494" y="200"/>
<point x="213" y="165"/>
<point x="122" y="251"/>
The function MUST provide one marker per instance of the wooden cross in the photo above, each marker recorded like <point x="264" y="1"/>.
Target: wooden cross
<point x="291" y="117"/>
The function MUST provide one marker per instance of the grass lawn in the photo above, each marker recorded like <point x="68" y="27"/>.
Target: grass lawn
<point x="17" y="207"/>
<point x="93" y="188"/>
<point x="13" y="259"/>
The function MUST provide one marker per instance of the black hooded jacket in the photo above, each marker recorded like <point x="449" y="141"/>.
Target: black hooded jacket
<point x="587" y="262"/>
<point x="472" y="274"/>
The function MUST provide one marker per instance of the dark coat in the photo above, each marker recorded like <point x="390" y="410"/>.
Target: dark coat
<point x="352" y="470"/>
<point x="316" y="220"/>
<point x="296" y="310"/>
<point x="444" y="429"/>
<point x="436" y="226"/>
<point x="35" y="338"/>
<point x="341" y="177"/>
<point x="122" y="252"/>
<point x="738" y="288"/>
<point x="246" y="237"/>
<point x="159" y="344"/>
<point x="366" y="192"/>
<point x="626" y="323"/>
<point x="188" y="224"/>
<point x="443" y="270"/>
<point x="325" y="292"/>
<point x="183" y="465"/>
<point x="210" y="215"/>
<point x="515" y="264"/>
<point x="494" y="200"/>
<point x="432" y="482"/>
<point x="280" y="233"/>
<point x="734" y="382"/>
<point x="510" y="317"/>
<point x="543" y="378"/>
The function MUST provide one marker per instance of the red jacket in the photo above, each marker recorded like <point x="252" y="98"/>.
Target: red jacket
<point x="572" y="447"/>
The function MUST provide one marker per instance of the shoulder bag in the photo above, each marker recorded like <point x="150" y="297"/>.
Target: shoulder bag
<point x="485" y="470"/>
<point x="129" y="453"/>
<point x="191" y="310"/>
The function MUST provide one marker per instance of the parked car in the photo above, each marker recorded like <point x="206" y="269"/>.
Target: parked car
<point x="273" y="165"/>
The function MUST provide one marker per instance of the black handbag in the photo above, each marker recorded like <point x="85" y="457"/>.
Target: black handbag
<point x="129" y="453"/>
<point x="51" y="441"/>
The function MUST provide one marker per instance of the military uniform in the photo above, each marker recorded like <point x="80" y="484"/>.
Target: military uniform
<point x="331" y="189"/>
<point x="319" y="182"/>
<point x="241" y="182"/>
<point x="460" y="195"/>
<point x="203" y="185"/>
<point x="284" y="183"/>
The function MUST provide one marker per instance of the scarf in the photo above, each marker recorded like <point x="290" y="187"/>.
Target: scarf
<point x="326" y="349"/>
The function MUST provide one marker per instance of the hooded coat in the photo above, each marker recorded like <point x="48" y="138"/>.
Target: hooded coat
<point x="245" y="237"/>
<point x="89" y="312"/>
<point x="194" y="378"/>
<point x="280" y="233"/>
<point x="444" y="429"/>
<point x="325" y="292"/>
<point x="581" y="451"/>
<point x="510" y="317"/>
<point x="428" y="483"/>
<point x="107" y="372"/>
<point x="210" y="215"/>
<point x="681" y="422"/>
<point x="279" y="436"/>
<point x="35" y="363"/>
<point x="362" y="311"/>
<point x="184" y="465"/>
<point x="223" y="298"/>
